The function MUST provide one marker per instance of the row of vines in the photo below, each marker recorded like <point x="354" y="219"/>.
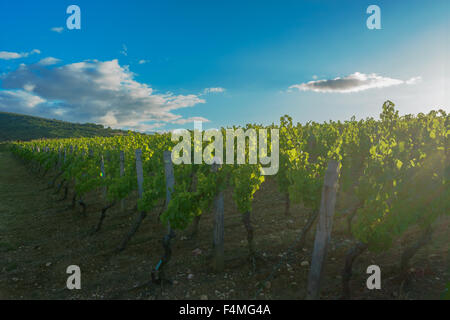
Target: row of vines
<point x="395" y="171"/>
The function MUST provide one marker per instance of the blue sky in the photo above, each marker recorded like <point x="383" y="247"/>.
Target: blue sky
<point x="147" y="65"/>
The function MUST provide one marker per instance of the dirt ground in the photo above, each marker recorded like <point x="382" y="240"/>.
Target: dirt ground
<point x="40" y="237"/>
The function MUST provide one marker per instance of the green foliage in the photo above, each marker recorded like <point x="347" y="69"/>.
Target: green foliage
<point x="397" y="168"/>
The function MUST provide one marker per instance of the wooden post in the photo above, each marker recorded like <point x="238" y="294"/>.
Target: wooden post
<point x="122" y="173"/>
<point x="170" y="181"/>
<point x="218" y="242"/>
<point x="139" y="172"/>
<point x="143" y="214"/>
<point x="102" y="168"/>
<point x="84" y="155"/>
<point x="324" y="227"/>
<point x="59" y="158"/>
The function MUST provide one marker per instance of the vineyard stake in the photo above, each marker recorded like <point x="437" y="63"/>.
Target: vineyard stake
<point x="59" y="158"/>
<point x="218" y="237"/>
<point x="170" y="180"/>
<point x="324" y="227"/>
<point x="139" y="172"/>
<point x="122" y="173"/>
<point x="142" y="214"/>
<point x="102" y="167"/>
<point x="170" y="183"/>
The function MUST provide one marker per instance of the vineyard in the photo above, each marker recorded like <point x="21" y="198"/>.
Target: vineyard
<point x="392" y="182"/>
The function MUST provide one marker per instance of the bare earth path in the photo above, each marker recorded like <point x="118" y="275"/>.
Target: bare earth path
<point x="28" y="242"/>
<point x="40" y="237"/>
<point x="20" y="242"/>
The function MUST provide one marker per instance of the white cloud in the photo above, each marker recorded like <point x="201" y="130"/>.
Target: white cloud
<point x="29" y="87"/>
<point x="352" y="83"/>
<point x="92" y="91"/>
<point x="189" y="120"/>
<point x="49" y="61"/>
<point x="59" y="112"/>
<point x="6" y="55"/>
<point x="213" y="90"/>
<point x="57" y="29"/>
<point x="146" y="127"/>
<point x="414" y="80"/>
<point x="143" y="61"/>
<point x="20" y="99"/>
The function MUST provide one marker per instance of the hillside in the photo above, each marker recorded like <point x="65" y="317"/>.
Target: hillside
<point x="22" y="127"/>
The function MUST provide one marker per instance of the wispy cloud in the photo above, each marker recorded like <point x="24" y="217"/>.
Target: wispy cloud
<point x="213" y="90"/>
<point x="414" y="80"/>
<point x="189" y="120"/>
<point x="92" y="91"/>
<point x="147" y="127"/>
<point x="124" y="50"/>
<point x="7" y="55"/>
<point x="352" y="83"/>
<point x="49" y="61"/>
<point x="142" y="61"/>
<point x="57" y="29"/>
